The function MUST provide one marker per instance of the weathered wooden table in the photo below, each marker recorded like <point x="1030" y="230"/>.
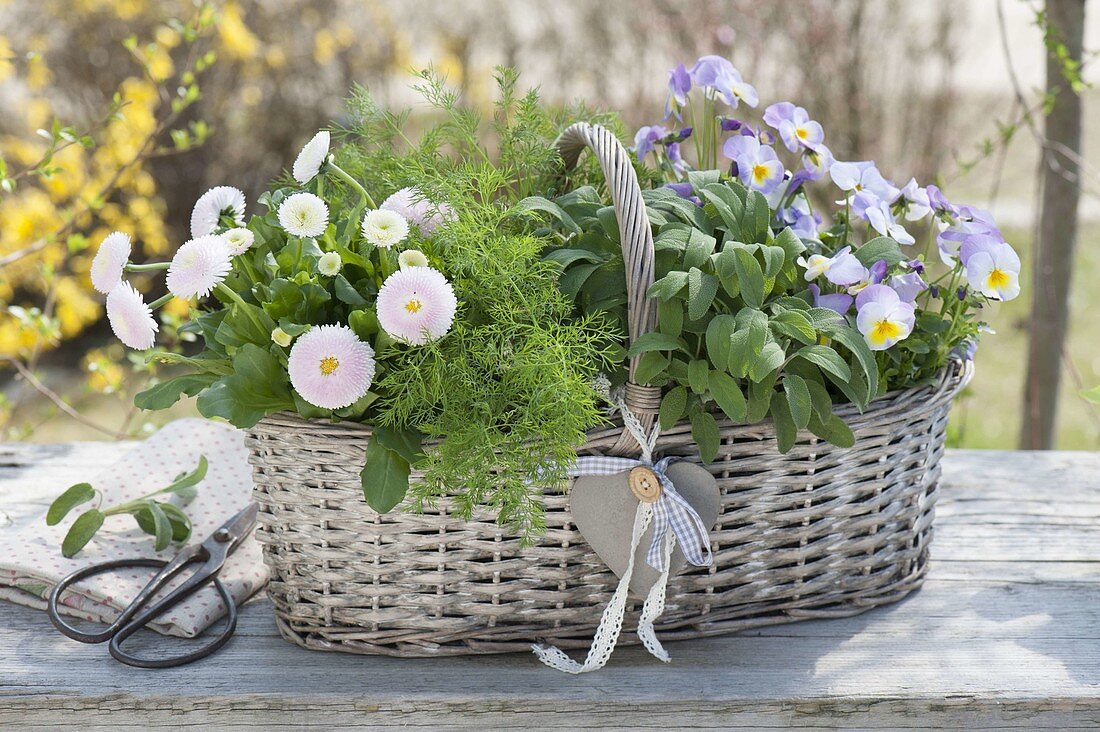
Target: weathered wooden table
<point x="1005" y="634"/>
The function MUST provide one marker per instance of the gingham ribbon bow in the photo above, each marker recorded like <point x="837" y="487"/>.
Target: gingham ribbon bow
<point x="673" y="520"/>
<point x="671" y="512"/>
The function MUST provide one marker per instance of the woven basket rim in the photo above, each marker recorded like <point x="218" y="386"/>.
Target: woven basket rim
<point x="952" y="379"/>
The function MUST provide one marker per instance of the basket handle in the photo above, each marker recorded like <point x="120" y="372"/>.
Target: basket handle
<point x="636" y="237"/>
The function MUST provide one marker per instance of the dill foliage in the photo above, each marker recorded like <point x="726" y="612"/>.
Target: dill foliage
<point x="492" y="413"/>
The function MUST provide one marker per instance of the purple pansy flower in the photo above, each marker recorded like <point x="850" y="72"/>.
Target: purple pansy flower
<point x="841" y="269"/>
<point x="757" y="165"/>
<point x="882" y="317"/>
<point x="646" y="138"/>
<point x="817" y="162"/>
<point x="684" y="190"/>
<point x="862" y="176"/>
<point x="794" y="125"/>
<point x="877" y="213"/>
<point x="718" y="74"/>
<point x="679" y="167"/>
<point x="908" y="285"/>
<point x="939" y="202"/>
<point x="916" y="202"/>
<point x="971" y="222"/>
<point x="838" y="302"/>
<point x="679" y="84"/>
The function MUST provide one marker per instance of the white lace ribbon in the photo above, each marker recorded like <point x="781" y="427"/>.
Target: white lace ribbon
<point x="674" y="520"/>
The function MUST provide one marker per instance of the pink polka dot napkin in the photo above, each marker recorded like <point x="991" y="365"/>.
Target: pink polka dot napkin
<point x="31" y="562"/>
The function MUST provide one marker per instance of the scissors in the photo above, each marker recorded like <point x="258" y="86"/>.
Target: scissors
<point x="211" y="553"/>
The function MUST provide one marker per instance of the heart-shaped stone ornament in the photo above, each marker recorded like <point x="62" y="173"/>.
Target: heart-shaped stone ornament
<point x="603" y="508"/>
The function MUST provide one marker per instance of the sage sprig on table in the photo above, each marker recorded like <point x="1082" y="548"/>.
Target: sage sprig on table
<point x="161" y="519"/>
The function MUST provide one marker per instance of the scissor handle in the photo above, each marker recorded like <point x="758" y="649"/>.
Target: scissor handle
<point x="82" y="574"/>
<point x="132" y="627"/>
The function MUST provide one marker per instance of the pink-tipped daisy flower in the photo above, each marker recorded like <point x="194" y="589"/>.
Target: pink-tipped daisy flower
<point x="212" y="205"/>
<point x="130" y="318"/>
<point x="330" y="367"/>
<point x="416" y="305"/>
<point x="198" y="267"/>
<point x="311" y="158"/>
<point x="110" y="261"/>
<point x="419" y="211"/>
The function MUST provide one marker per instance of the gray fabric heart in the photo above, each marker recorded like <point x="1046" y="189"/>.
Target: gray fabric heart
<point x="603" y="509"/>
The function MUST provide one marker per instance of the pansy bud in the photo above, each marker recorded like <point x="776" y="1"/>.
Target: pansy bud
<point x="961" y="292"/>
<point x="281" y="337"/>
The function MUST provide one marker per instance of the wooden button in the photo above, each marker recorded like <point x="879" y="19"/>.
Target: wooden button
<point x="644" y="484"/>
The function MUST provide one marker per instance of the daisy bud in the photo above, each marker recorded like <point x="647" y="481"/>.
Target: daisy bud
<point x="329" y="264"/>
<point x="281" y="337"/>
<point x="412" y="258"/>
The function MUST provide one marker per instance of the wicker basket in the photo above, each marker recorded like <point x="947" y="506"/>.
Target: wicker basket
<point x="818" y="532"/>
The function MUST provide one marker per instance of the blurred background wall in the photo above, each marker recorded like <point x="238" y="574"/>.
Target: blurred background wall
<point x="927" y="89"/>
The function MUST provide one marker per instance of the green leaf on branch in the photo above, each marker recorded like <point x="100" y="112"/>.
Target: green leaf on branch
<point x="798" y="399"/>
<point x="656" y="342"/>
<point x="702" y="287"/>
<point x="827" y="359"/>
<point x="81" y="532"/>
<point x="882" y="247"/>
<point x="727" y="394"/>
<point x="258" y="387"/>
<point x="786" y="432"/>
<point x="673" y="406"/>
<point x="167" y="393"/>
<point x="67" y="501"/>
<point x="385" y="477"/>
<point x="704" y="430"/>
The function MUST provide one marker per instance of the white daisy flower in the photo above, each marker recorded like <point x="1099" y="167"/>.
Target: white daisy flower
<point x="199" y="265"/>
<point x="240" y="240"/>
<point x="416" y="305"/>
<point x="412" y="258"/>
<point x="130" y="318"/>
<point x="330" y="367"/>
<point x="311" y="158"/>
<point x="420" y="212"/>
<point x="206" y="216"/>
<point x="329" y="264"/>
<point x="385" y="228"/>
<point x="303" y="214"/>
<point x="109" y="262"/>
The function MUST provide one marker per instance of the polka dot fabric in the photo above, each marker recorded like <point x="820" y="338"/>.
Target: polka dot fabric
<point x="31" y="562"/>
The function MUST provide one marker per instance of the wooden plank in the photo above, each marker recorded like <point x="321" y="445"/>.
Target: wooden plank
<point x="1003" y="635"/>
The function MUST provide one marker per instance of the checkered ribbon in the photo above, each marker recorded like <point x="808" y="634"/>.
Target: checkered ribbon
<point x="671" y="512"/>
<point x="673" y="520"/>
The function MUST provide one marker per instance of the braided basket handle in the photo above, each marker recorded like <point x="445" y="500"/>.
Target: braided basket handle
<point x="637" y="242"/>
